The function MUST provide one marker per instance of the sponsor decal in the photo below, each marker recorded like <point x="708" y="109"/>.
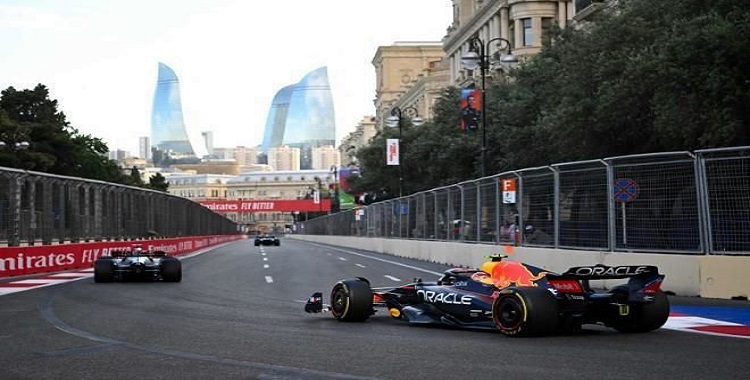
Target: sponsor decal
<point x="611" y="271"/>
<point x="444" y="297"/>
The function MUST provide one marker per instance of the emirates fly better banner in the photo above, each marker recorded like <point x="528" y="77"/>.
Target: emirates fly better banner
<point x="283" y="205"/>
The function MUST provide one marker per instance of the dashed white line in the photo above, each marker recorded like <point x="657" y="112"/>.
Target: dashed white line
<point x="265" y="259"/>
<point x="265" y="266"/>
<point x="269" y="279"/>
<point x="342" y="259"/>
<point x="391" y="277"/>
<point x="360" y="265"/>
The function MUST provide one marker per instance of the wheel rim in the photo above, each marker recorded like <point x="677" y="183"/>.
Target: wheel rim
<point x="509" y="314"/>
<point x="339" y="302"/>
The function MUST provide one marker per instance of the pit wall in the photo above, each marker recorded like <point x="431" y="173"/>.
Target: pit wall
<point x="29" y="260"/>
<point x="686" y="275"/>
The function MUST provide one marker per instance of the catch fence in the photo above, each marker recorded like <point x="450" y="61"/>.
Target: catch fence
<point x="39" y="208"/>
<point x="673" y="202"/>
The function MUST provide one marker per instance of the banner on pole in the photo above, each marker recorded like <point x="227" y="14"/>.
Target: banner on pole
<point x="391" y="152"/>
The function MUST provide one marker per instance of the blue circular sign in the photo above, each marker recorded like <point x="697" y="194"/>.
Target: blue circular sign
<point x="625" y="190"/>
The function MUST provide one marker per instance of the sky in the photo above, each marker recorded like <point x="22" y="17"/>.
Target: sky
<point x="99" y="58"/>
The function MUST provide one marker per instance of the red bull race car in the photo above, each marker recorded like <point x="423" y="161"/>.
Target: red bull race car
<point x="515" y="298"/>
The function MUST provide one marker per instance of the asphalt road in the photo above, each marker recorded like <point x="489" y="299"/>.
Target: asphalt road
<point x="238" y="314"/>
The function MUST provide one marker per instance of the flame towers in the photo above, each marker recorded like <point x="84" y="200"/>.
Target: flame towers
<point x="168" y="131"/>
<point x="302" y="116"/>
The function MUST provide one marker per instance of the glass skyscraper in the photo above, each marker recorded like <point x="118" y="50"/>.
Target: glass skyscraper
<point x="302" y="116"/>
<point x="168" y="131"/>
<point x="274" y="133"/>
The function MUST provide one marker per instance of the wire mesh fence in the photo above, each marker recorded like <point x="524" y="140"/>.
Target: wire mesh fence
<point x="39" y="208"/>
<point x="671" y="202"/>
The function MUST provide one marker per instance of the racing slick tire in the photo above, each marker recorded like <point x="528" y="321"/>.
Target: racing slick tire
<point x="171" y="269"/>
<point x="104" y="270"/>
<point x="643" y="317"/>
<point x="525" y="311"/>
<point x="351" y="300"/>
<point x="277" y="243"/>
<point x="257" y="243"/>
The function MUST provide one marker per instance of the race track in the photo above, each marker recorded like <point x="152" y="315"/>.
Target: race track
<point x="238" y="314"/>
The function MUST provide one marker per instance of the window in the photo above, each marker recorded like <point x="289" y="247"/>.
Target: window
<point x="546" y="30"/>
<point x="527" y="32"/>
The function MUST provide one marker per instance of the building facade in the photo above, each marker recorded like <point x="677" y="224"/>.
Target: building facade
<point x="267" y="185"/>
<point x="398" y="68"/>
<point x="168" y="131"/>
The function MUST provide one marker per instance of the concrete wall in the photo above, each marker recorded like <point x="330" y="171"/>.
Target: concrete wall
<point x="686" y="275"/>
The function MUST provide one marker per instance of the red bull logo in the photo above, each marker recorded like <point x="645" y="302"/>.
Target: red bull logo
<point x="507" y="273"/>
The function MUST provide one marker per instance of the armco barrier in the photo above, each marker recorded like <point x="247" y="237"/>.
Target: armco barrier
<point x="20" y="261"/>
<point x="705" y="276"/>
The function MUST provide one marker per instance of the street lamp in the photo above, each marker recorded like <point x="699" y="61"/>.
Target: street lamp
<point x="335" y="204"/>
<point x="471" y="60"/>
<point x="395" y="120"/>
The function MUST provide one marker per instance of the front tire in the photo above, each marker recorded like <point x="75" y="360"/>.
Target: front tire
<point x="525" y="311"/>
<point x="351" y="300"/>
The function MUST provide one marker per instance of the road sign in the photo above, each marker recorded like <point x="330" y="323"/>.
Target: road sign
<point x="625" y="190"/>
<point x="509" y="190"/>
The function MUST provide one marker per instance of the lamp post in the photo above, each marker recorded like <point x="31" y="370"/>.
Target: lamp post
<point x="396" y="120"/>
<point x="470" y="61"/>
<point x="335" y="204"/>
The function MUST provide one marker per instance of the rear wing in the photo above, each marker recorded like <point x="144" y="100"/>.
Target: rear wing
<point x="604" y="272"/>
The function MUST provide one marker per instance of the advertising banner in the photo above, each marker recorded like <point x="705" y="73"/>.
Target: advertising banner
<point x="18" y="261"/>
<point x="281" y="205"/>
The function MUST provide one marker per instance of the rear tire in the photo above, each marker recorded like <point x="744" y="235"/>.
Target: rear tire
<point x="171" y="269"/>
<point x="104" y="270"/>
<point x="351" y="300"/>
<point x="643" y="317"/>
<point x="525" y="311"/>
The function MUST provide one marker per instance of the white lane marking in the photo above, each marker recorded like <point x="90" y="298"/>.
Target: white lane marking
<point x="341" y="258"/>
<point x="265" y="266"/>
<point x="378" y="259"/>
<point x="262" y="253"/>
<point x="265" y="259"/>
<point x="269" y="279"/>
<point x="391" y="277"/>
<point x="360" y="265"/>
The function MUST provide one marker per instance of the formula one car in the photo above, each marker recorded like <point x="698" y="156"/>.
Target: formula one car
<point x="138" y="265"/>
<point x="267" y="240"/>
<point x="516" y="298"/>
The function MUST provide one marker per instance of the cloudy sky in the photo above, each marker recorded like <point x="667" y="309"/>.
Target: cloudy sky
<point x="99" y="58"/>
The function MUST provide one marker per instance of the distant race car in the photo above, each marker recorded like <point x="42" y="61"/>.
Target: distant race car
<point x="267" y="240"/>
<point x="137" y="265"/>
<point x="515" y="298"/>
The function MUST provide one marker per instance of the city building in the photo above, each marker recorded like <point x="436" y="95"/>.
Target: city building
<point x="398" y="68"/>
<point x="286" y="196"/>
<point x="168" y="132"/>
<point x="284" y="158"/>
<point x="144" y="147"/>
<point x="208" y="142"/>
<point x="525" y="24"/>
<point x="276" y="121"/>
<point x="302" y="116"/>
<point x="360" y="137"/>
<point x="324" y="157"/>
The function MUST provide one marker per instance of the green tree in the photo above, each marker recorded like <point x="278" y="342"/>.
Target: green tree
<point x="158" y="182"/>
<point x="54" y="146"/>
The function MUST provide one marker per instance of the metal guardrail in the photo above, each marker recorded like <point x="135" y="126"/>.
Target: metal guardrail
<point x="672" y="202"/>
<point x="40" y="208"/>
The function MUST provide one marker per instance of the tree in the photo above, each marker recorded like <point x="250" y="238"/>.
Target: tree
<point x="158" y="182"/>
<point x="643" y="77"/>
<point x="54" y="146"/>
